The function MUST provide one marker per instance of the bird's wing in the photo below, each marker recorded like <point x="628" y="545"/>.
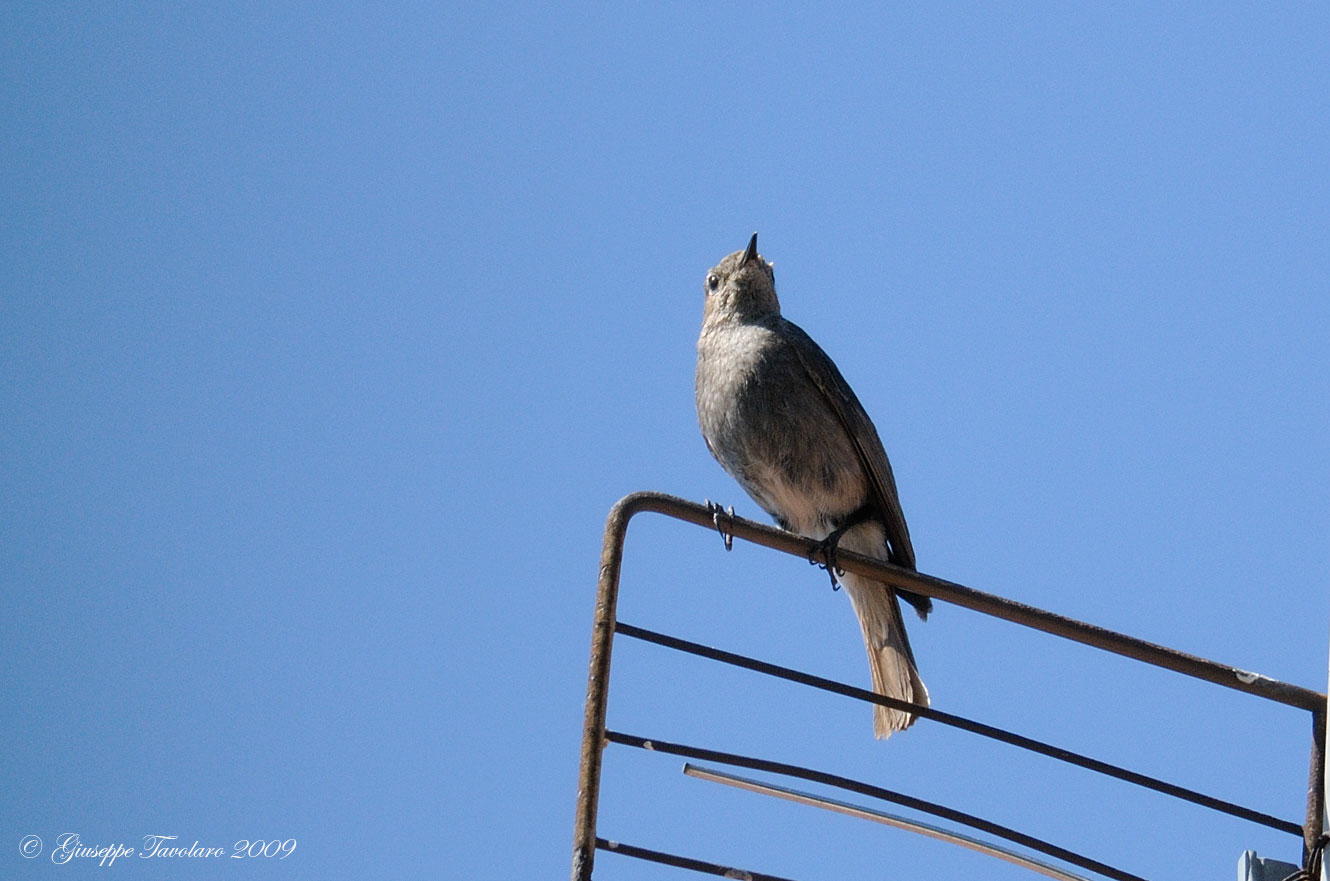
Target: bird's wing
<point x="842" y="401"/>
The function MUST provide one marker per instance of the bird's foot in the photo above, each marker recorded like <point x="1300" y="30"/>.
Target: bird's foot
<point x="718" y="512"/>
<point x="826" y="549"/>
<point x="827" y="546"/>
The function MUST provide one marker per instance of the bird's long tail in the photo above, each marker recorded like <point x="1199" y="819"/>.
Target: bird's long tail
<point x="890" y="660"/>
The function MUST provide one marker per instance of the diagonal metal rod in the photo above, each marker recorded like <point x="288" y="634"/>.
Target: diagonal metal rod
<point x="991" y="604"/>
<point x="909" y="801"/>
<point x="989" y="731"/>
<point x="669" y="859"/>
<point x="851" y="810"/>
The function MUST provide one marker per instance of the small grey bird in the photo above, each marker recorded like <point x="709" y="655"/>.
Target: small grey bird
<point x="780" y="418"/>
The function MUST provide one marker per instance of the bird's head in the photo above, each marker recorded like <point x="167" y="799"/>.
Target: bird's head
<point x="742" y="286"/>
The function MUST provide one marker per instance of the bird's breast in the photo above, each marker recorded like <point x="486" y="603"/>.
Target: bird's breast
<point x="769" y="427"/>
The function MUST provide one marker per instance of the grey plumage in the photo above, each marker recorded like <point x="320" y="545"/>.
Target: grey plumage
<point x="780" y="418"/>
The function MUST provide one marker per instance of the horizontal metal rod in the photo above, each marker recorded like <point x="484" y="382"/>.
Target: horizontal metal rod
<point x="669" y="859"/>
<point x="917" y="804"/>
<point x="989" y="604"/>
<point x="989" y="731"/>
<point x="926" y="829"/>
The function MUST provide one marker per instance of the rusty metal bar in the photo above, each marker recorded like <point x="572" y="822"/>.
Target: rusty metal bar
<point x="597" y="688"/>
<point x="989" y="604"/>
<point x="1311" y="830"/>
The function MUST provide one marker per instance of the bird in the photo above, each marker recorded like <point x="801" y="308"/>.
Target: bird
<point x="778" y="416"/>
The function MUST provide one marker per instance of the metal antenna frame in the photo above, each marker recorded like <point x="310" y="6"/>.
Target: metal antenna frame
<point x="605" y="625"/>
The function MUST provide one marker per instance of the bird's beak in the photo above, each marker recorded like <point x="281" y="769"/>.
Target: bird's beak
<point x="751" y="253"/>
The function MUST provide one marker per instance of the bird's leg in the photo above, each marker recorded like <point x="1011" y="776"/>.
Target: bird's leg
<point x="716" y="513"/>
<point x="827" y="546"/>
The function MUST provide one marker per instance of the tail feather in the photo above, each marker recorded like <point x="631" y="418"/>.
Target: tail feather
<point x="890" y="660"/>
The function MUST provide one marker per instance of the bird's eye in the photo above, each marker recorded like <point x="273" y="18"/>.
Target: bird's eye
<point x="713" y="282"/>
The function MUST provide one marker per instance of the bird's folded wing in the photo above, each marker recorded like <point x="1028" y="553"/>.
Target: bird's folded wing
<point x="842" y="401"/>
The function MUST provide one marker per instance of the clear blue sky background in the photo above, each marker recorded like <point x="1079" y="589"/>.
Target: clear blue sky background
<point x="329" y="334"/>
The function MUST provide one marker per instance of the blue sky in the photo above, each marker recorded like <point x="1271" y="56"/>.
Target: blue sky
<point x="330" y="333"/>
